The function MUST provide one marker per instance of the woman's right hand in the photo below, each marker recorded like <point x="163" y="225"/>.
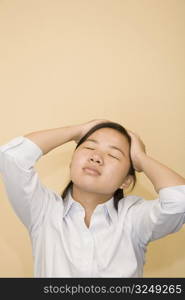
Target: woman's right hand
<point x="137" y="150"/>
<point x="85" y="127"/>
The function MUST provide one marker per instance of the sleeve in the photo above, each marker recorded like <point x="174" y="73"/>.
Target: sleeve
<point x="27" y="195"/>
<point x="153" y="219"/>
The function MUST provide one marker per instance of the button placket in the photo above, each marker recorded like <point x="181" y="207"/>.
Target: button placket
<point x="89" y="251"/>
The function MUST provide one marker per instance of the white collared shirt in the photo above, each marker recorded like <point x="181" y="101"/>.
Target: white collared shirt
<point x="114" y="245"/>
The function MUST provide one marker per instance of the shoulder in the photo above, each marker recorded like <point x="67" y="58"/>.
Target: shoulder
<point x="133" y="201"/>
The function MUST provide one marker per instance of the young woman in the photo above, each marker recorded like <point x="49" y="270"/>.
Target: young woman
<point x="93" y="230"/>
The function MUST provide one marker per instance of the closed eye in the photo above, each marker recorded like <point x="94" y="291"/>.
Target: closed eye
<point x="88" y="148"/>
<point x="108" y="154"/>
<point x="113" y="156"/>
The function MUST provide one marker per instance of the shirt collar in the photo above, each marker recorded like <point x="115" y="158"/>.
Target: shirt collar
<point x="68" y="202"/>
<point x="108" y="206"/>
<point x="112" y="212"/>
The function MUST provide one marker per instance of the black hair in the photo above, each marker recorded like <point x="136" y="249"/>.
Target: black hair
<point x="118" y="194"/>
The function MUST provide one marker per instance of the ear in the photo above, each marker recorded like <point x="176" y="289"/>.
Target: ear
<point x="128" y="180"/>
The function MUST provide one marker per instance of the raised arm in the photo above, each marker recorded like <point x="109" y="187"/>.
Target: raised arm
<point x="160" y="175"/>
<point x="28" y="196"/>
<point x="49" y="139"/>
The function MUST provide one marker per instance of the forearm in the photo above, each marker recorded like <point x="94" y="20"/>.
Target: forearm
<point x="49" y="139"/>
<point x="160" y="175"/>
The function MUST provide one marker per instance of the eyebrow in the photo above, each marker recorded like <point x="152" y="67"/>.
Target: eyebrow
<point x="111" y="146"/>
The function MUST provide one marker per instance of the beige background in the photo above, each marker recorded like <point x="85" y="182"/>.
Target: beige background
<point x="65" y="62"/>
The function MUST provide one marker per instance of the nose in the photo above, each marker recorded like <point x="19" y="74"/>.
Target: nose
<point x="96" y="158"/>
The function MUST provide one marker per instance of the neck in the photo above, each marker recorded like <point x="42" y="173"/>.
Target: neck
<point x="88" y="200"/>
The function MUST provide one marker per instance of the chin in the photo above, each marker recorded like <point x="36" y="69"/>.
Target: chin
<point x="89" y="189"/>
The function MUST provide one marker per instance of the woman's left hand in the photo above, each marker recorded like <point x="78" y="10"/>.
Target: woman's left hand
<point x="137" y="150"/>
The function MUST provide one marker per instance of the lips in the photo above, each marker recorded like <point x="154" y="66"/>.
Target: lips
<point x="91" y="171"/>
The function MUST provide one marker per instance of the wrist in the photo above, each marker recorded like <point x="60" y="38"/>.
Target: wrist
<point x="140" y="159"/>
<point x="77" y="132"/>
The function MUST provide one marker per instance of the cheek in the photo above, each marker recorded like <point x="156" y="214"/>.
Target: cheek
<point x="77" y="163"/>
<point x="119" y="171"/>
<point x="125" y="168"/>
<point x="114" y="172"/>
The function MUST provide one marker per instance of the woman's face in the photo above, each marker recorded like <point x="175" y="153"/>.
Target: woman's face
<point x="99" y="153"/>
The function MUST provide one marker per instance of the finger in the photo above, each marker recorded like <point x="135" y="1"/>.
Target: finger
<point x="134" y="134"/>
<point x="131" y="133"/>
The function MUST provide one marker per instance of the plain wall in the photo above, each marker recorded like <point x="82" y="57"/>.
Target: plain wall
<point x="65" y="62"/>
